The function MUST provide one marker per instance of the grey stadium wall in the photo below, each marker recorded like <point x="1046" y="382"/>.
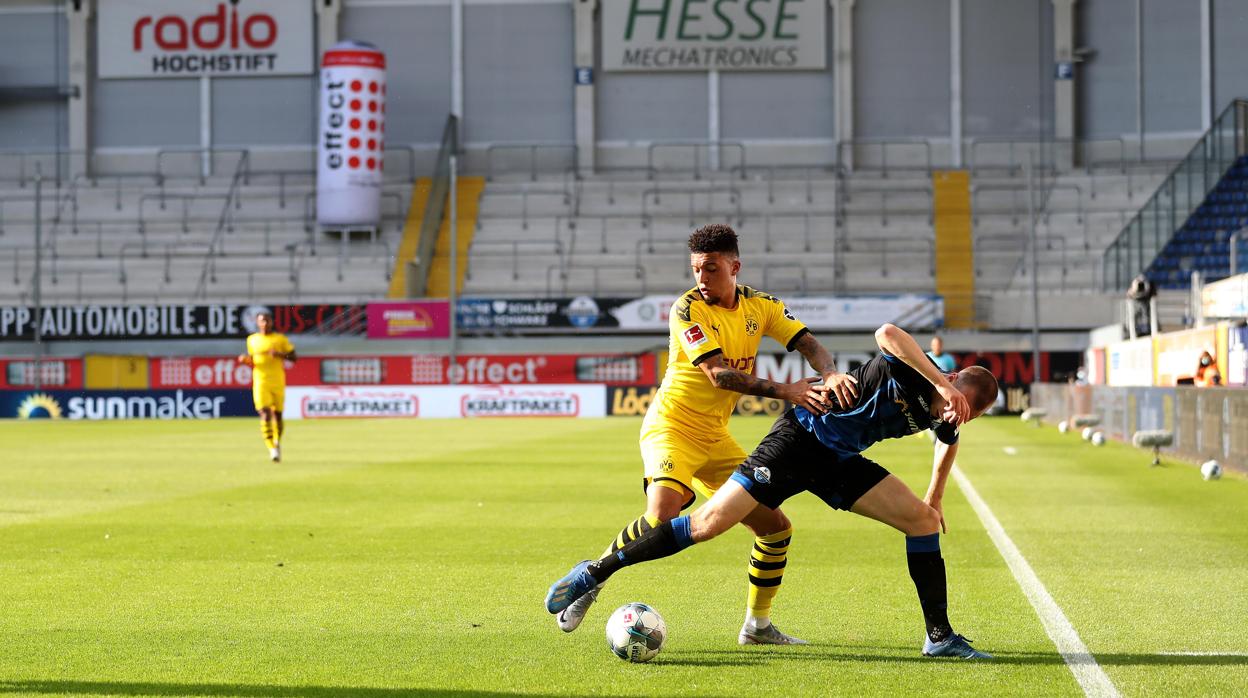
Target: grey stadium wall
<point x="518" y="84"/>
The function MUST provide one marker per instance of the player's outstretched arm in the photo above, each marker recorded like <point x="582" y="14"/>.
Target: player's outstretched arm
<point x="843" y="385"/>
<point x="942" y="463"/>
<point x="897" y="342"/>
<point x="805" y="393"/>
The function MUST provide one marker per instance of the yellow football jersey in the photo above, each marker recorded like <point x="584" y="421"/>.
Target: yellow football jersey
<point x="265" y="367"/>
<point x="687" y="400"/>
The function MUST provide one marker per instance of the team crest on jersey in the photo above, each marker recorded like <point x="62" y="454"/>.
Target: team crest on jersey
<point x="666" y="465"/>
<point x="751" y="325"/>
<point x="694" y="336"/>
<point x="762" y="475"/>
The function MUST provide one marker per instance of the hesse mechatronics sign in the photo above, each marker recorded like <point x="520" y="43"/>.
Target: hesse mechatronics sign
<point x="162" y="39"/>
<point x="647" y="35"/>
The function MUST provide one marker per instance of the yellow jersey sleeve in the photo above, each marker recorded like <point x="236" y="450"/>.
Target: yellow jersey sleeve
<point x="782" y="326"/>
<point x="690" y="328"/>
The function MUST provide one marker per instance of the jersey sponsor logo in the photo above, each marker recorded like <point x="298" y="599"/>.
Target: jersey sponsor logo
<point x="746" y="364"/>
<point x="905" y="412"/>
<point x="751" y="325"/>
<point x="694" y="336"/>
<point x="789" y="314"/>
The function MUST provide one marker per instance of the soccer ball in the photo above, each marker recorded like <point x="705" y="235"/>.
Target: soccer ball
<point x="1063" y="426"/>
<point x="1211" y="470"/>
<point x="1087" y="433"/>
<point x="636" y="632"/>
<point x="1098" y="439"/>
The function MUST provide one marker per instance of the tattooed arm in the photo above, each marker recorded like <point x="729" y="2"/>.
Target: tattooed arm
<point x="843" y="385"/>
<point x="804" y="393"/>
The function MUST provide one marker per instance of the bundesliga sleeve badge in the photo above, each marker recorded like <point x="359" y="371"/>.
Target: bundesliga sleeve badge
<point x="694" y="336"/>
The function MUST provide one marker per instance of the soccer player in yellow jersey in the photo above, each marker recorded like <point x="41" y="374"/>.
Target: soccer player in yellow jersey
<point x="714" y="333"/>
<point x="266" y="353"/>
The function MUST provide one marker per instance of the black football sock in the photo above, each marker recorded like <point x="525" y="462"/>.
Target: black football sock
<point x="668" y="538"/>
<point x="927" y="569"/>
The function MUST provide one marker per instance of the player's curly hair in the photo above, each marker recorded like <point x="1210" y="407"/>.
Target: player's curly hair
<point x="715" y="237"/>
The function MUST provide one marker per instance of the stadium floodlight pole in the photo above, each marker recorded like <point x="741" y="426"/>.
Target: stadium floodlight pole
<point x="453" y="289"/>
<point x="38" y="279"/>
<point x="1035" y="283"/>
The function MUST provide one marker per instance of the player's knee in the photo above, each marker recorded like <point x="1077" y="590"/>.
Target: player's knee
<point x="663" y="510"/>
<point x="924" y="520"/>
<point x="765" y="522"/>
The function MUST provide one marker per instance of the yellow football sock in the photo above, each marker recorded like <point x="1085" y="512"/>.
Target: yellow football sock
<point x="266" y="430"/>
<point x="766" y="571"/>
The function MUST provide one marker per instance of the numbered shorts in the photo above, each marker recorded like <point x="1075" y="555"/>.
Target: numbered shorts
<point x="687" y="465"/>
<point x="790" y="460"/>
<point x="266" y="394"/>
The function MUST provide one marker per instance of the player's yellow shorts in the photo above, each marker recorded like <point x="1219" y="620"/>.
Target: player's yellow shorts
<point x="688" y="465"/>
<point x="268" y="394"/>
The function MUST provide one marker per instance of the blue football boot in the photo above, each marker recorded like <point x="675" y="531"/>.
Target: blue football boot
<point x="573" y="586"/>
<point x="953" y="646"/>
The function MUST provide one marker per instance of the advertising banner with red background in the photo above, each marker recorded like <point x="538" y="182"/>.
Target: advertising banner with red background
<point x="421" y="369"/>
<point x="56" y="374"/>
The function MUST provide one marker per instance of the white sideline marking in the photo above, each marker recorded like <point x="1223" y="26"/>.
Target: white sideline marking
<point x="1080" y="661"/>
<point x="1010" y="450"/>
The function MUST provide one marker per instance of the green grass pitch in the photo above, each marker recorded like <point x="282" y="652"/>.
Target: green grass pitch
<point x="394" y="558"/>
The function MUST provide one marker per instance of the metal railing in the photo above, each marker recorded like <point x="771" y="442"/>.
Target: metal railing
<point x="899" y="245"/>
<point x="221" y="226"/>
<point x="418" y="270"/>
<point x="563" y="273"/>
<point x="1018" y="149"/>
<point x="492" y="154"/>
<point x="869" y="145"/>
<point x="1018" y="201"/>
<point x="1178" y="197"/>
<point x="540" y="249"/>
<point x="700" y="165"/>
<point x="734" y="198"/>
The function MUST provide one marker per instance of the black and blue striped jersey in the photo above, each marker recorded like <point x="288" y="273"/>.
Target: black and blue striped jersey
<point x="894" y="400"/>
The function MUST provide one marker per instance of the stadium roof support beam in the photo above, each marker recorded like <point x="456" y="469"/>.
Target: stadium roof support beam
<point x="843" y="73"/>
<point x="78" y="23"/>
<point x="583" y="52"/>
<point x="1064" y="80"/>
<point x="955" y="84"/>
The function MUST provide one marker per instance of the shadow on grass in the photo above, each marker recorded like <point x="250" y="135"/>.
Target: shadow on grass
<point x="855" y="653"/>
<point x="704" y="658"/>
<point x="123" y="688"/>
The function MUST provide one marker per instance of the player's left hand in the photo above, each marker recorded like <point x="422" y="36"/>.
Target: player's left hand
<point x="844" y="387"/>
<point x="957" y="409"/>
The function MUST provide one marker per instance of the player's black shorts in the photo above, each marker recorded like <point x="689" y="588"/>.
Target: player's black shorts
<point x="790" y="460"/>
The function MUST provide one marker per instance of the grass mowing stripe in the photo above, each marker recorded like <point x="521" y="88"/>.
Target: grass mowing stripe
<point x="1082" y="664"/>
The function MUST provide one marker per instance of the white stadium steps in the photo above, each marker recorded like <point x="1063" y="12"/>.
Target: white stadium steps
<point x="803" y="231"/>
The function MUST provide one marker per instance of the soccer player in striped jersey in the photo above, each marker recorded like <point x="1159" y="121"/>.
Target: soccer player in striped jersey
<point x="267" y="352"/>
<point x="902" y="392"/>
<point x="714" y="333"/>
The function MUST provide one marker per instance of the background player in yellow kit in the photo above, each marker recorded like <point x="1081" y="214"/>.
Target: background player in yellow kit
<point x="714" y="333"/>
<point x="266" y="352"/>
